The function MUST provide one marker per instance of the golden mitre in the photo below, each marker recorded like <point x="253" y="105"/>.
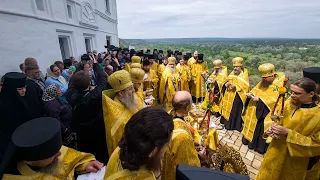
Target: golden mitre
<point x="137" y="75"/>
<point x="217" y="63"/>
<point x="135" y="59"/>
<point x="266" y="70"/>
<point x="135" y="65"/>
<point x="120" y="80"/>
<point x="172" y="60"/>
<point x="237" y="61"/>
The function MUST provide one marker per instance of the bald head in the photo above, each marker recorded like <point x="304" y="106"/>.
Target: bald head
<point x="30" y="61"/>
<point x="181" y="100"/>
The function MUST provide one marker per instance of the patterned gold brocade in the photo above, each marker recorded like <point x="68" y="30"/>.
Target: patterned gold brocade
<point x="167" y="90"/>
<point x="268" y="95"/>
<point x="288" y="157"/>
<point x="181" y="150"/>
<point x="242" y="88"/>
<point x="116" y="116"/>
<point x="127" y="67"/>
<point x="139" y="96"/>
<point x="191" y="61"/>
<point x="220" y="79"/>
<point x="185" y="76"/>
<point x="198" y="90"/>
<point x="152" y="75"/>
<point x="114" y="170"/>
<point x="71" y="161"/>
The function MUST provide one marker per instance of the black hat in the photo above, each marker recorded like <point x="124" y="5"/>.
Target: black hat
<point x="179" y="53"/>
<point x="155" y="50"/>
<point x="153" y="56"/>
<point x="85" y="57"/>
<point x="13" y="80"/>
<point x="140" y="53"/>
<point x="200" y="56"/>
<point x="186" y="58"/>
<point x="160" y="51"/>
<point x="145" y="55"/>
<point x="146" y="62"/>
<point x="185" y="172"/>
<point x="189" y="54"/>
<point x="148" y="50"/>
<point x="312" y="73"/>
<point x="34" y="140"/>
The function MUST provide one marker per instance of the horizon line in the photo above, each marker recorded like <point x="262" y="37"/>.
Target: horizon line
<point x="228" y="38"/>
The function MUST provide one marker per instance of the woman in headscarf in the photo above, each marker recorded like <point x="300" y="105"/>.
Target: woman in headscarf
<point x="58" y="108"/>
<point x="54" y="78"/>
<point x="13" y="107"/>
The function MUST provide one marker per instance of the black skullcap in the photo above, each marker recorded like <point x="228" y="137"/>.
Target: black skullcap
<point x="160" y="51"/>
<point x="185" y="172"/>
<point x="38" y="139"/>
<point x="34" y="140"/>
<point x="145" y="55"/>
<point x="312" y="73"/>
<point x="151" y="56"/>
<point x="140" y="53"/>
<point x="85" y="57"/>
<point x="13" y="80"/>
<point x="148" y="50"/>
<point x="179" y="53"/>
<point x="146" y="62"/>
<point x="200" y="56"/>
<point x="186" y="58"/>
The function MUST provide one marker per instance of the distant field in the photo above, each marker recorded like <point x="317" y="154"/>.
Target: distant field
<point x="288" y="55"/>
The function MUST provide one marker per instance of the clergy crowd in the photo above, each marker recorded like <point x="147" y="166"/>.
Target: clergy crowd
<point x="126" y="110"/>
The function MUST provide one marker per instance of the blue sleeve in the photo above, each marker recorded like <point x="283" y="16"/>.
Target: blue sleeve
<point x="48" y="82"/>
<point x="64" y="89"/>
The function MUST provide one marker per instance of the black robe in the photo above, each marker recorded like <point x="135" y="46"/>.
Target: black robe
<point x="258" y="144"/>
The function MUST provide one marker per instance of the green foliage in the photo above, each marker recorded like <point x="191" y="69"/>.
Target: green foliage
<point x="289" y="56"/>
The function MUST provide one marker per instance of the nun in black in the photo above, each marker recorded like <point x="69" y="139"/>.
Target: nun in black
<point x="13" y="108"/>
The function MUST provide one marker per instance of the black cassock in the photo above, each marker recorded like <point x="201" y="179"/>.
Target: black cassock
<point x="258" y="143"/>
<point x="235" y="119"/>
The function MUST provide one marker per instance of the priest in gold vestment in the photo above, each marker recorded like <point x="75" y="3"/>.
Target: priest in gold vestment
<point x="118" y="105"/>
<point x="198" y="70"/>
<point x="43" y="157"/>
<point x="193" y="59"/>
<point x="184" y="75"/>
<point x="142" y="146"/>
<point x="151" y="80"/>
<point x="168" y="84"/>
<point x="297" y="147"/>
<point x="162" y="67"/>
<point x="181" y="149"/>
<point x="153" y="58"/>
<point x="137" y="76"/>
<point x="216" y="80"/>
<point x="259" y="103"/>
<point x="314" y="74"/>
<point x="234" y="96"/>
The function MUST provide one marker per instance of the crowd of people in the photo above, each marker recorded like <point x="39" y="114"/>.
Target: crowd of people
<point x="125" y="109"/>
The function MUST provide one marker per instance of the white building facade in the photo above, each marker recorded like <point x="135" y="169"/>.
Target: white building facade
<point x="53" y="30"/>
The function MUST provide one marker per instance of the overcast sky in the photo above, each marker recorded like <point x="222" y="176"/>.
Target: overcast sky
<point x="218" y="18"/>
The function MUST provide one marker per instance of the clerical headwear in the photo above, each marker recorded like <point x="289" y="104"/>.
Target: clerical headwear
<point x="135" y="65"/>
<point x="179" y="53"/>
<point x="237" y="61"/>
<point x="120" y="80"/>
<point x="200" y="57"/>
<point x="146" y="62"/>
<point x="151" y="56"/>
<point x="189" y="55"/>
<point x="160" y="51"/>
<point x="217" y="63"/>
<point x="13" y="80"/>
<point x="136" y="59"/>
<point x="137" y="75"/>
<point x="35" y="140"/>
<point x="172" y="60"/>
<point x="140" y="53"/>
<point x="186" y="58"/>
<point x="266" y="70"/>
<point x="312" y="73"/>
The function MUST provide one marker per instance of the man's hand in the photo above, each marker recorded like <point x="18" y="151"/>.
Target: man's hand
<point x="255" y="98"/>
<point x="94" y="166"/>
<point x="279" y="130"/>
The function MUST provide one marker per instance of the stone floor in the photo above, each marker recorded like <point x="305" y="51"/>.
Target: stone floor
<point x="250" y="158"/>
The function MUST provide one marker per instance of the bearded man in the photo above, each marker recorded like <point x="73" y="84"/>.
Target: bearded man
<point x="168" y="84"/>
<point x="36" y="152"/>
<point x="259" y="103"/>
<point x="193" y="59"/>
<point x="198" y="70"/>
<point x="184" y="74"/>
<point x="297" y="147"/>
<point x="150" y="82"/>
<point x="234" y="96"/>
<point x="119" y="104"/>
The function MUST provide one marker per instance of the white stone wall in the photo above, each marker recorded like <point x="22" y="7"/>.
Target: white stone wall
<point x="27" y="32"/>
